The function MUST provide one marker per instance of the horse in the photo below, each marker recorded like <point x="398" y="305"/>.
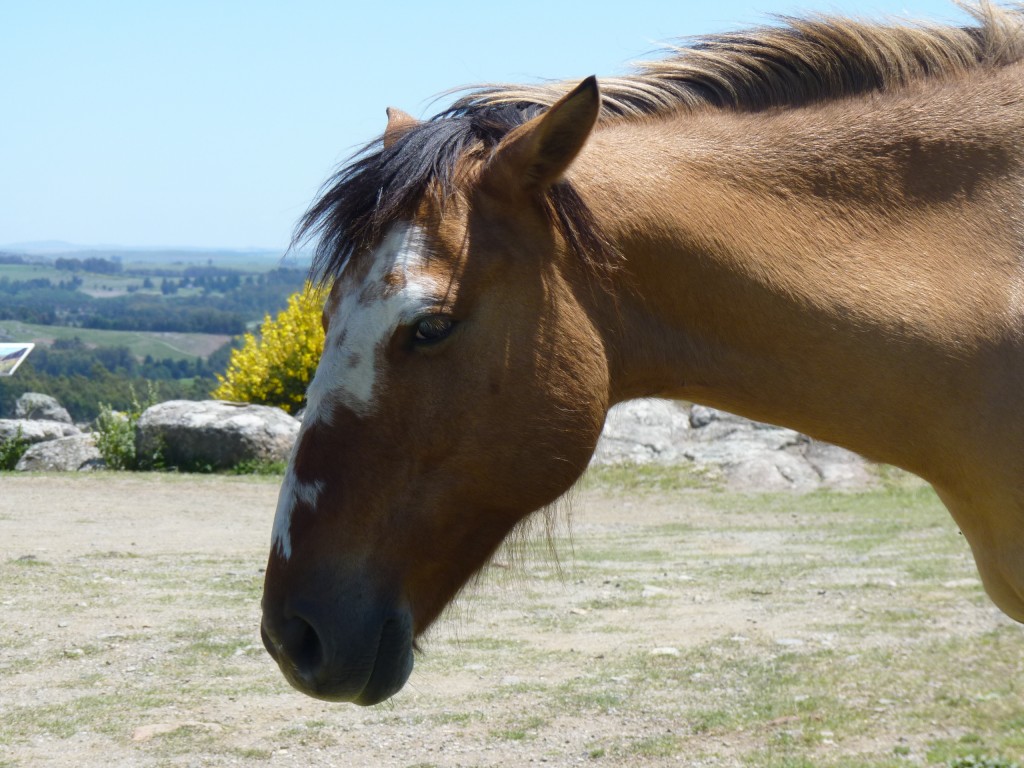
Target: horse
<point x="817" y="224"/>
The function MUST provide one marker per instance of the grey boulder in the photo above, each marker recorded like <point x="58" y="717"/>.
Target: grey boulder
<point x="214" y="434"/>
<point x="65" y="454"/>
<point x="40" y="407"/>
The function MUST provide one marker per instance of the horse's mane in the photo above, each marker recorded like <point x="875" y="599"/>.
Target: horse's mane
<point x="799" y="62"/>
<point x="803" y="60"/>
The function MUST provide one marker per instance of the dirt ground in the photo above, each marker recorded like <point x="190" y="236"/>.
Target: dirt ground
<point x="673" y="629"/>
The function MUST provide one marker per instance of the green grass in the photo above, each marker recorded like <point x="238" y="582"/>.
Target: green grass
<point x="648" y="478"/>
<point x="521" y="729"/>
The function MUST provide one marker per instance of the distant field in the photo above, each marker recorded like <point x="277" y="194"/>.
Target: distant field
<point x="32" y="272"/>
<point x="176" y="261"/>
<point x="96" y="285"/>
<point x="241" y="263"/>
<point x="160" y="345"/>
<point x="102" y="286"/>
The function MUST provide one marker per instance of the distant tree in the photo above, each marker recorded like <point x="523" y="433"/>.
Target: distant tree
<point x="75" y="342"/>
<point x="101" y="266"/>
<point x="65" y="263"/>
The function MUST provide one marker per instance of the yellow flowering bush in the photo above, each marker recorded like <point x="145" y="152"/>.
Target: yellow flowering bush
<point x="275" y="367"/>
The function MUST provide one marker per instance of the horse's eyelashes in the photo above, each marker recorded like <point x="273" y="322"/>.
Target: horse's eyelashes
<point x="433" y="329"/>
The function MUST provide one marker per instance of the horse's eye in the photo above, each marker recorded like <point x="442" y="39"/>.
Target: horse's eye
<point x="433" y="329"/>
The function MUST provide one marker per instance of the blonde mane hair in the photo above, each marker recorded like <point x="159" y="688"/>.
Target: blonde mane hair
<point x="802" y="60"/>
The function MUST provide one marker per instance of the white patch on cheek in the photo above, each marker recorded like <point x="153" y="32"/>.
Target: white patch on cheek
<point x="352" y="362"/>
<point x="292" y="492"/>
<point x="281" y="536"/>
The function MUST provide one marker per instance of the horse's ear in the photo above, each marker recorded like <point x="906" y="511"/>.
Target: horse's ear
<point x="399" y="123"/>
<point x="534" y="155"/>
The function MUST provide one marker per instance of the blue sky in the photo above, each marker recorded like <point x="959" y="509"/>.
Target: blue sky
<point x="212" y="124"/>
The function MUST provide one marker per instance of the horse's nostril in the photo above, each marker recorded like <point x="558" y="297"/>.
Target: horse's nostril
<point x="293" y="643"/>
<point x="361" y="654"/>
<point x="301" y="644"/>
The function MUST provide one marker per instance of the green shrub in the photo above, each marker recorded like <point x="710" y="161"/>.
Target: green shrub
<point x="12" y="450"/>
<point x="115" y="434"/>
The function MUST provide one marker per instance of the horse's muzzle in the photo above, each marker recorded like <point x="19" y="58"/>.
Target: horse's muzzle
<point x="328" y="652"/>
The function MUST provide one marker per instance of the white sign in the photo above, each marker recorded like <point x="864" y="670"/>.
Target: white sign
<point x="11" y="356"/>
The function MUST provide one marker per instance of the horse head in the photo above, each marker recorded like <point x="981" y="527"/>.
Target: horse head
<point x="462" y="386"/>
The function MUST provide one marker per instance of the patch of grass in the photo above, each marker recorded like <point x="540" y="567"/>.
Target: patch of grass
<point x="29" y="561"/>
<point x="665" y="745"/>
<point x="259" y="467"/>
<point x="649" y="478"/>
<point x="112" y="555"/>
<point x="710" y="720"/>
<point x="252" y="753"/>
<point x="455" y="718"/>
<point x="198" y="645"/>
<point x="187" y="739"/>
<point x="971" y="759"/>
<point x="590" y="694"/>
<point x="490" y="643"/>
<point x="314" y="733"/>
<point x="512" y="734"/>
<point x="521" y="729"/>
<point x="768" y="759"/>
<point x="634" y="554"/>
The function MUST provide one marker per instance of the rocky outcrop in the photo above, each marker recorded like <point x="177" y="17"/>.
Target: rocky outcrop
<point x="214" y="434"/>
<point x="35" y="431"/>
<point x="65" y="454"/>
<point x="643" y="432"/>
<point x="39" y="407"/>
<point x="744" y="455"/>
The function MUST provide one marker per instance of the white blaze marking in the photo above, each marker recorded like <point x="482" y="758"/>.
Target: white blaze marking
<point x="292" y="491"/>
<point x="352" y="361"/>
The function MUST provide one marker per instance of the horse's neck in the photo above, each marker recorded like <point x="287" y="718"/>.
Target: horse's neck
<point x="800" y="286"/>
